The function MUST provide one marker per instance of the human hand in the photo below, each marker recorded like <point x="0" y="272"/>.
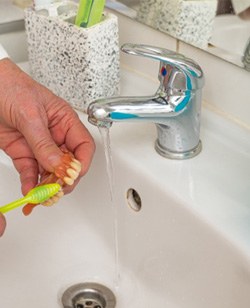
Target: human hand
<point x="35" y="124"/>
<point x="2" y="224"/>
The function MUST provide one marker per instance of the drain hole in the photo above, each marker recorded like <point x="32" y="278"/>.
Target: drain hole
<point x="88" y="295"/>
<point x="134" y="200"/>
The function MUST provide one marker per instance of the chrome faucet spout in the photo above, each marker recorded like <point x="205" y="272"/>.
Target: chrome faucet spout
<point x="149" y="108"/>
<point x="174" y="108"/>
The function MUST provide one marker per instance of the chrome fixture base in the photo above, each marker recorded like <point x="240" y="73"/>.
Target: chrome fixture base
<point x="88" y="294"/>
<point x="177" y="155"/>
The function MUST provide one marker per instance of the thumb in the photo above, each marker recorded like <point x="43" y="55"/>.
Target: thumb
<point x="44" y="148"/>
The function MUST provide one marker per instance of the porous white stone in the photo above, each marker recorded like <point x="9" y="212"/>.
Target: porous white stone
<point x="148" y="12"/>
<point x="187" y="20"/>
<point x="78" y="64"/>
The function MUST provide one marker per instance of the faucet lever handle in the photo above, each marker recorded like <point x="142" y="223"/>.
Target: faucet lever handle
<point x="187" y="66"/>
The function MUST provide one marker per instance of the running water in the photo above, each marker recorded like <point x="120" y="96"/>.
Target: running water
<point x="104" y="131"/>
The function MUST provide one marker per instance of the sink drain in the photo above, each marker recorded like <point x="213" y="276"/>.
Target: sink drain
<point x="88" y="295"/>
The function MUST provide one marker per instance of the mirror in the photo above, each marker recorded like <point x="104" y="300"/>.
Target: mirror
<point x="220" y="27"/>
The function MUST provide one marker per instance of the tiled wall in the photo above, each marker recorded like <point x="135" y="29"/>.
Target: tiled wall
<point x="227" y="88"/>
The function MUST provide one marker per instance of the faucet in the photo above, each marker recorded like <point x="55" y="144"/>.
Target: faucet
<point x="174" y="108"/>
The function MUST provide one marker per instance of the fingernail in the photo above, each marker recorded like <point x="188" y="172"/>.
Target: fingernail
<point x="54" y="159"/>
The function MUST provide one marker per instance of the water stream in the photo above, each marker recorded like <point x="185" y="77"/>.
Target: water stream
<point x="104" y="132"/>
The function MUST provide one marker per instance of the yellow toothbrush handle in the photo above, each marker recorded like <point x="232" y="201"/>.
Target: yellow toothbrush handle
<point x="37" y="195"/>
<point x="10" y="206"/>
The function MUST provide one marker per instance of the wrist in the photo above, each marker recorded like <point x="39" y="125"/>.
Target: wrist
<point x="3" y="53"/>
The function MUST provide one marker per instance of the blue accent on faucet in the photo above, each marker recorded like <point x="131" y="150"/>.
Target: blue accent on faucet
<point x="187" y="97"/>
<point x="183" y="104"/>
<point x="189" y="83"/>
<point x="122" y="116"/>
<point x="193" y="73"/>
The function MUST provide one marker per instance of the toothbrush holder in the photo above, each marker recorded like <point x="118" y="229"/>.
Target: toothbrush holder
<point x="78" y="64"/>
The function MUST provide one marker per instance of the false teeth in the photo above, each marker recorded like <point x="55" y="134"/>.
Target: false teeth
<point x="53" y="199"/>
<point x="60" y="194"/>
<point x="73" y="174"/>
<point x="76" y="165"/>
<point x="68" y="180"/>
<point x="48" y="202"/>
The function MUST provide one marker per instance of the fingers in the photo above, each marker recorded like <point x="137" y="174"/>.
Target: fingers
<point x="62" y="126"/>
<point x="43" y="122"/>
<point x="69" y="131"/>
<point x="2" y="224"/>
<point x="41" y="143"/>
<point x="81" y="144"/>
<point x="24" y="110"/>
<point x="24" y="162"/>
<point x="66" y="174"/>
<point x="28" y="171"/>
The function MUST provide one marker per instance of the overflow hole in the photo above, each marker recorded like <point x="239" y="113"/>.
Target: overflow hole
<point x="134" y="200"/>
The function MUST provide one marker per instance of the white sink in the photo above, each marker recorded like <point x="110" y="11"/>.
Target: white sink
<point x="188" y="246"/>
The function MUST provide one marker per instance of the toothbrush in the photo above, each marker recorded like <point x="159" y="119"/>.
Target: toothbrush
<point x="36" y="195"/>
<point x="89" y="13"/>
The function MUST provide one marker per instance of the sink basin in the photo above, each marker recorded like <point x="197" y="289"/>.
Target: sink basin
<point x="186" y="245"/>
<point x="230" y="34"/>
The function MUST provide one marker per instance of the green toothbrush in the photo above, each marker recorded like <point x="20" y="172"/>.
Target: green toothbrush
<point x="89" y="13"/>
<point x="36" y="195"/>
